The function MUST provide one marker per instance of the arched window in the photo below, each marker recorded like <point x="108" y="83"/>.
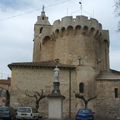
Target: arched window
<point x="69" y="28"/>
<point x="78" y="27"/>
<point x="43" y="18"/>
<point x="81" y="87"/>
<point x="57" y="31"/>
<point x="41" y="29"/>
<point x="63" y="29"/>
<point x="45" y="39"/>
<point x="85" y="28"/>
<point x="92" y="29"/>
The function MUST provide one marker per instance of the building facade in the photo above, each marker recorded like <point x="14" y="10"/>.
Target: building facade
<point x="80" y="48"/>
<point x="4" y="91"/>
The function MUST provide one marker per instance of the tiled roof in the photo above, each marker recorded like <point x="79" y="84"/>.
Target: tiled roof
<point x="5" y="82"/>
<point x="109" y="75"/>
<point x="42" y="64"/>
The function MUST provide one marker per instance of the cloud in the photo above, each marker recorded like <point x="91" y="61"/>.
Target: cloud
<point x="16" y="41"/>
<point x="9" y="4"/>
<point x="6" y="5"/>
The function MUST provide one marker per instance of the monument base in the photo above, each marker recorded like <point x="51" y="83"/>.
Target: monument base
<point x="55" y="106"/>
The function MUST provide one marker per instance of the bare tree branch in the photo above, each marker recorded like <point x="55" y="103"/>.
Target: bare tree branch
<point x="117" y="11"/>
<point x="92" y="98"/>
<point x="37" y="96"/>
<point x="27" y="93"/>
<point x="86" y="101"/>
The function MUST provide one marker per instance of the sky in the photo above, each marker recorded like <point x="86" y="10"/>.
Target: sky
<point x="17" y="19"/>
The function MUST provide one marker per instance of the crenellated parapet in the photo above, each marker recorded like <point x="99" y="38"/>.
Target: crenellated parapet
<point x="87" y="26"/>
<point x="80" y="22"/>
<point x="105" y="35"/>
<point x="71" y="38"/>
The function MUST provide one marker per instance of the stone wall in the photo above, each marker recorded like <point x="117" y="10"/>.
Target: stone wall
<point x="107" y="105"/>
<point x="35" y="79"/>
<point x="74" y="41"/>
<point x="70" y="39"/>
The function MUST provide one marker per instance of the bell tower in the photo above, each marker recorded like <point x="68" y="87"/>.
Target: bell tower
<point x="40" y="28"/>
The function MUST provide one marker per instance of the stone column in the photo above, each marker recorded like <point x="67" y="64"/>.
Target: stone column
<point x="55" y="99"/>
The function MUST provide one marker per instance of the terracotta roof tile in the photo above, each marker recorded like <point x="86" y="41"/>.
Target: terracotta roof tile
<point x="5" y="82"/>
<point x="42" y="64"/>
<point x="109" y="75"/>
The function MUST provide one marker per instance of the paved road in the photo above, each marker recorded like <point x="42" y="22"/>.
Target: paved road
<point x="74" y="119"/>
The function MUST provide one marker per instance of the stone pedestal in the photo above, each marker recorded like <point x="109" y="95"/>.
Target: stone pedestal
<point x="55" y="106"/>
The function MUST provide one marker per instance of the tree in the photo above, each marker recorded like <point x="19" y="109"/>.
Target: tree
<point x="37" y="96"/>
<point x="5" y="93"/>
<point x="7" y="98"/>
<point x="117" y="6"/>
<point x="86" y="101"/>
<point x="117" y="10"/>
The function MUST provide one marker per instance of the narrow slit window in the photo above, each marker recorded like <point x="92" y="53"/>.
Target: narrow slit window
<point x="116" y="92"/>
<point x="81" y="87"/>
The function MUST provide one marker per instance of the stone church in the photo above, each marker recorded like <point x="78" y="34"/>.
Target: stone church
<point x="80" y="48"/>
